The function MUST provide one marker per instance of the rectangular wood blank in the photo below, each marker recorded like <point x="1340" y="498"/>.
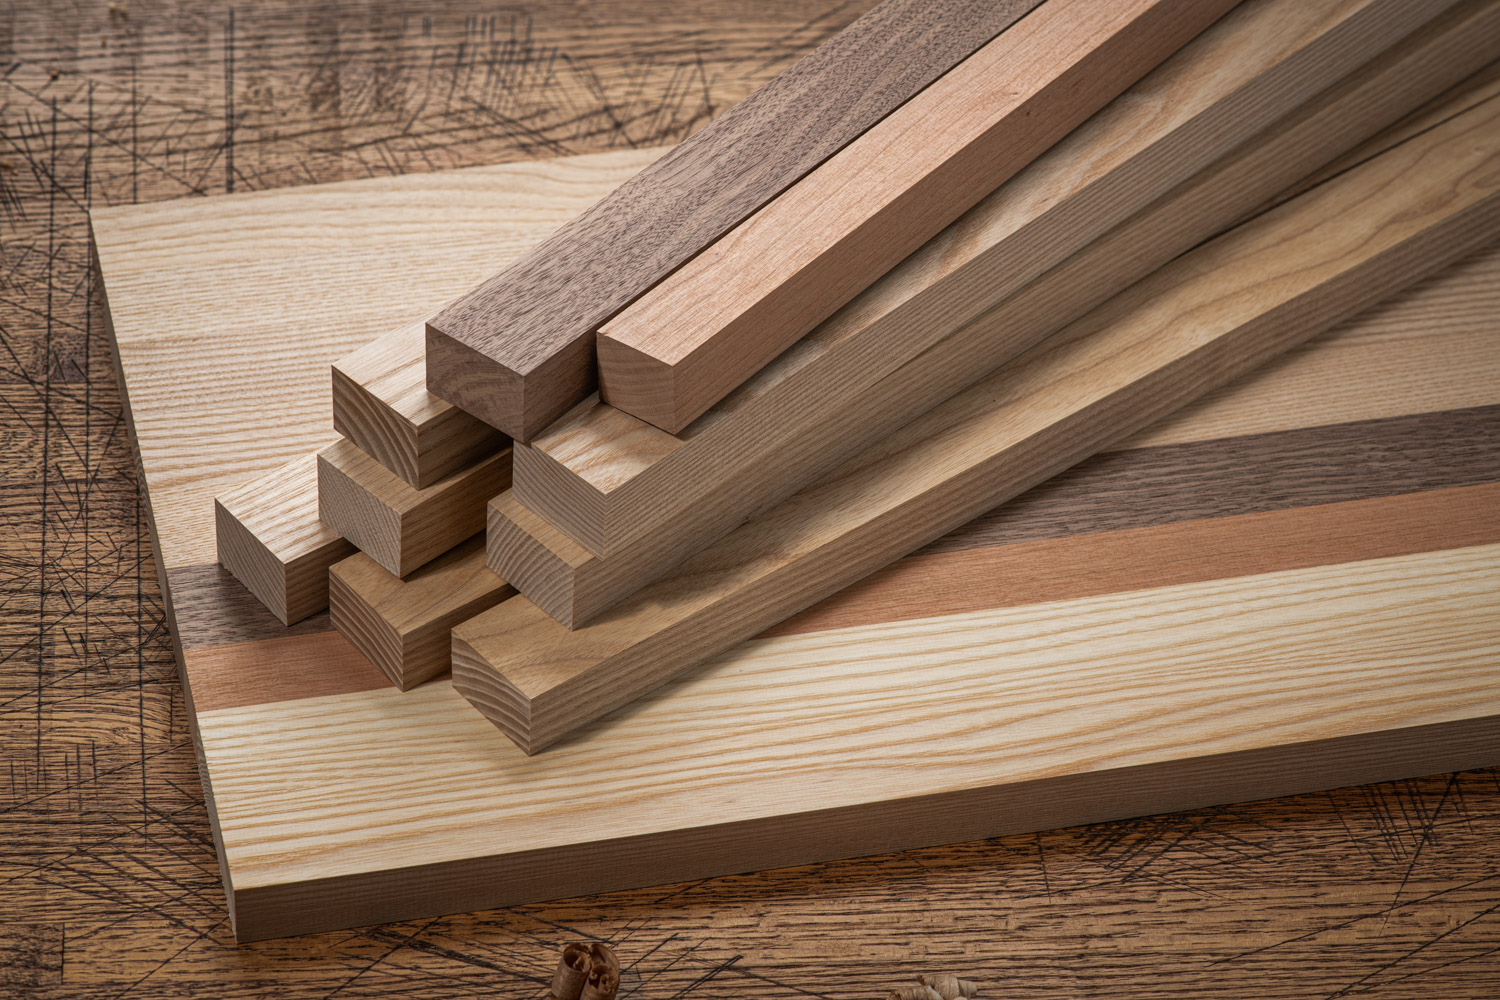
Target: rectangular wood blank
<point x="573" y="585"/>
<point x="607" y="478"/>
<point x="402" y="626"/>
<point x="725" y="314"/>
<point x="518" y="350"/>
<point x="270" y="538"/>
<point x="402" y="528"/>
<point x="1213" y="314"/>
<point x="381" y="403"/>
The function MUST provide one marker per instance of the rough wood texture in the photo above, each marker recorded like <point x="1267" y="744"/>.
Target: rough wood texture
<point x="729" y="311"/>
<point x="518" y="350"/>
<point x="111" y="871"/>
<point x="400" y="527"/>
<point x="402" y="625"/>
<point x="573" y="585"/>
<point x="381" y="403"/>
<point x="608" y="479"/>
<point x="1211" y="315"/>
<point x="268" y="535"/>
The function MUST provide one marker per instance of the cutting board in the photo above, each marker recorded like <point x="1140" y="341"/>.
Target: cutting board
<point x="1293" y="585"/>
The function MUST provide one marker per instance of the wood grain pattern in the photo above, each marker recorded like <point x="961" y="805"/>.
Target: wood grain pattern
<point x="381" y="403"/>
<point x="517" y="350"/>
<point x="402" y="625"/>
<point x="269" y="536"/>
<point x="398" y="526"/>
<point x="729" y="311"/>
<point x="1249" y="294"/>
<point x="606" y="478"/>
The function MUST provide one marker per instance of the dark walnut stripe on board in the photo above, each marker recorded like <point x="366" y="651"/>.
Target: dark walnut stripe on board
<point x="1247" y="475"/>
<point x="1063" y="569"/>
<point x="518" y="350"/>
<point x="212" y="608"/>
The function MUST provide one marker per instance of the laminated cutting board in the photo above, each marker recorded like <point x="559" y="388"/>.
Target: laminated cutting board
<point x="1293" y="585"/>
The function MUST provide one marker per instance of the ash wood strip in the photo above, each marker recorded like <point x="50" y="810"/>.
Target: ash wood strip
<point x="269" y="536"/>
<point x="381" y="403"/>
<point x="402" y="625"/>
<point x="1208" y="317"/>
<point x="276" y="671"/>
<point x="205" y="352"/>
<point x="824" y="745"/>
<point x="1185" y="552"/>
<point x="605" y="478"/>
<point x="1144" y="487"/>
<point x="1112" y="492"/>
<point x="517" y="350"/>
<point x="399" y="527"/>
<point x="729" y="311"/>
<point x="211" y="608"/>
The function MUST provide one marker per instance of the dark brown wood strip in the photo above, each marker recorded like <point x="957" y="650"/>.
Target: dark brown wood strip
<point x="518" y="350"/>
<point x="1068" y="568"/>
<point x="1247" y="475"/>
<point x="212" y="608"/>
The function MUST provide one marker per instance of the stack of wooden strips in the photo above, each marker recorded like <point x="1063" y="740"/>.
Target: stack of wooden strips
<point x="956" y="250"/>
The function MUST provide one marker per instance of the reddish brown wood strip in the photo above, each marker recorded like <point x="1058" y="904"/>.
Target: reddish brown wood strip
<point x="282" y="669"/>
<point x="948" y="583"/>
<point x="518" y="350"/>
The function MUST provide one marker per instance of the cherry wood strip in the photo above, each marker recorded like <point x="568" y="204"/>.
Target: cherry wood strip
<point x="518" y="349"/>
<point x="606" y="478"/>
<point x="1208" y="317"/>
<point x="957" y="581"/>
<point x="722" y="316"/>
<point x="269" y="671"/>
<point x="381" y="403"/>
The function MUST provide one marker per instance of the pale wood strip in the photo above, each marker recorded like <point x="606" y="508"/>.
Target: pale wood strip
<point x="398" y="526"/>
<point x="1208" y="317"/>
<point x="381" y="403"/>
<point x="518" y="349"/>
<point x="808" y="747"/>
<point x="269" y="536"/>
<point x="730" y="310"/>
<point x="402" y="625"/>
<point x="202" y="295"/>
<point x="606" y="478"/>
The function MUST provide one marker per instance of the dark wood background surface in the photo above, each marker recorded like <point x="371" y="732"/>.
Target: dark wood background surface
<point x="108" y="882"/>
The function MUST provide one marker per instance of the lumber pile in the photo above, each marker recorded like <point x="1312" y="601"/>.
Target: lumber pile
<point x="957" y="250"/>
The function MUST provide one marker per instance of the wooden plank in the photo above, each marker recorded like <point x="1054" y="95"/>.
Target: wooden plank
<point x="269" y="536"/>
<point x="402" y="625"/>
<point x="400" y="527"/>
<point x="381" y="403"/>
<point x="1211" y="315"/>
<point x="729" y="311"/>
<point x="518" y="350"/>
<point x="606" y="478"/>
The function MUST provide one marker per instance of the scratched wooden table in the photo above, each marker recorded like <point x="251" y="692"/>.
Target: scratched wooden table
<point x="109" y="885"/>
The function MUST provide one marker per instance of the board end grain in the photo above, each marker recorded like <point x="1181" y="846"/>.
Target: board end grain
<point x="539" y="561"/>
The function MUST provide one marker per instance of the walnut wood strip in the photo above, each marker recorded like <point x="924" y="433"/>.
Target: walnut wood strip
<point x="958" y="581"/>
<point x="400" y="527"/>
<point x="381" y="403"/>
<point x="606" y="478"/>
<point x="269" y="536"/>
<point x="1210" y="316"/>
<point x="211" y="608"/>
<point x="282" y="669"/>
<point x="518" y="350"/>
<point x="725" y="314"/>
<point x="402" y="625"/>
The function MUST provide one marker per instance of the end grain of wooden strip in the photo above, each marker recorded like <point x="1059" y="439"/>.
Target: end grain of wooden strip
<point x="1213" y="314"/>
<point x="269" y="536"/>
<point x="381" y="403"/>
<point x="729" y="311"/>
<point x="403" y="625"/>
<point x="400" y="527"/>
<point x="605" y="477"/>
<point x="518" y="350"/>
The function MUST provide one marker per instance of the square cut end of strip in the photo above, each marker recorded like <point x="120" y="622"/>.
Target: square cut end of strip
<point x="488" y="690"/>
<point x="517" y="399"/>
<point x="644" y="386"/>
